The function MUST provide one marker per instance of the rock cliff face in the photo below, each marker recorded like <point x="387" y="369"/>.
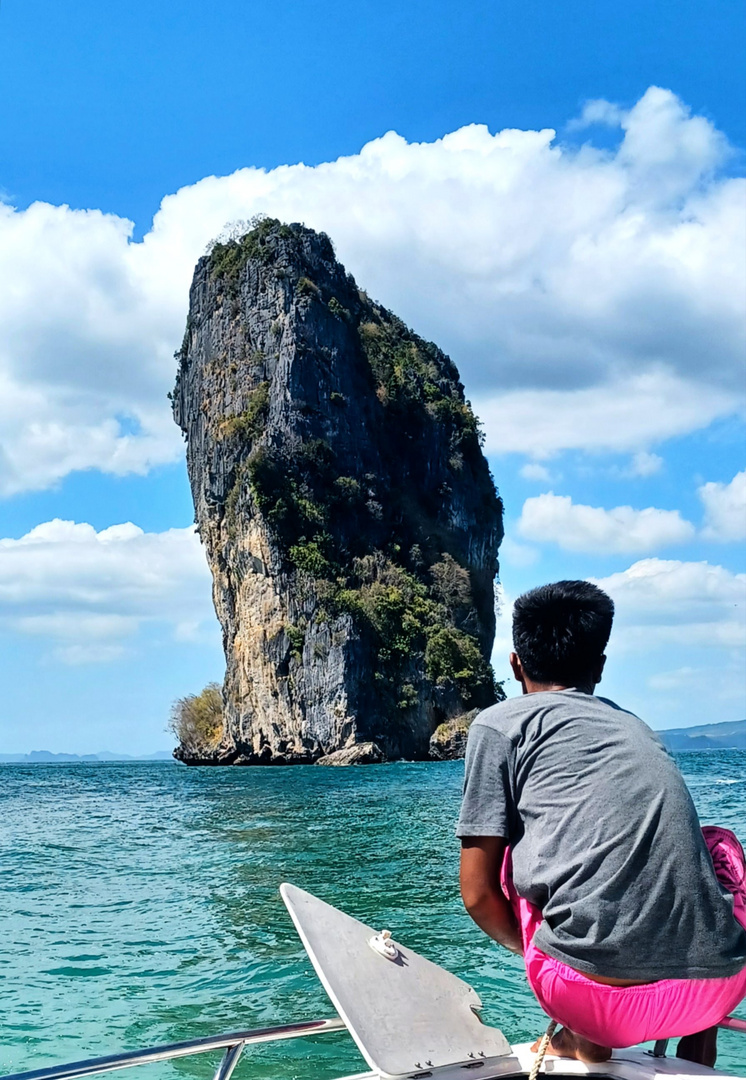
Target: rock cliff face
<point x="347" y="511"/>
<point x="448" y="741"/>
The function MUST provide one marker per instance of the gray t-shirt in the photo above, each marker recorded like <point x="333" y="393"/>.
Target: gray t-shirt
<point x="604" y="836"/>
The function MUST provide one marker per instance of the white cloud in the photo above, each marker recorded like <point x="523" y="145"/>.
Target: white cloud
<point x="591" y="299"/>
<point x="576" y="527"/>
<point x="503" y="644"/>
<point x="77" y="655"/>
<point x="87" y="592"/>
<point x="513" y="554"/>
<point x="644" y="464"/>
<point x="532" y="470"/>
<point x="617" y="416"/>
<point x="719" y="690"/>
<point x="85" y="354"/>
<point x="598" y="111"/>
<point x="725" y="509"/>
<point x="71" y="624"/>
<point x="700" y="696"/>
<point x="676" y="650"/>
<point x="684" y="603"/>
<point x="683" y="678"/>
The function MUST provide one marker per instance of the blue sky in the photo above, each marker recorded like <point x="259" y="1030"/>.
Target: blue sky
<point x="562" y="209"/>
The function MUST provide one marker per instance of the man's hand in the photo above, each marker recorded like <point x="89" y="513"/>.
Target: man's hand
<point x="481" y="859"/>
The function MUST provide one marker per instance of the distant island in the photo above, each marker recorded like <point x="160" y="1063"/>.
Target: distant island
<point x="730" y="735"/>
<point x="44" y="757"/>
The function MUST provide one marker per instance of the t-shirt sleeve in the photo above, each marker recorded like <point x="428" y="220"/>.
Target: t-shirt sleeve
<point x="487" y="799"/>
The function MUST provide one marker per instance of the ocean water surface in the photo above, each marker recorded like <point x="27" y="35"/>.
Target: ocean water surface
<point x="140" y="902"/>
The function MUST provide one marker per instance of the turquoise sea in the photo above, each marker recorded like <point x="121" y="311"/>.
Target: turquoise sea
<point x="140" y="902"/>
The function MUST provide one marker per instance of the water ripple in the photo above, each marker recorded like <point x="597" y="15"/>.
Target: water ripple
<point x="141" y="904"/>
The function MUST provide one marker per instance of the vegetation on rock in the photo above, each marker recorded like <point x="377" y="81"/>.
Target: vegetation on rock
<point x="448" y="741"/>
<point x="228" y="257"/>
<point x="197" y="721"/>
<point x="250" y="423"/>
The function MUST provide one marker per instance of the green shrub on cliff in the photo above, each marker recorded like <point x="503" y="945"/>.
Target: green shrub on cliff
<point x="338" y="309"/>
<point x="197" y="720"/>
<point x="296" y="636"/>
<point x="406" y="621"/>
<point x="306" y="287"/>
<point x="451" y="585"/>
<point x="453" y="656"/>
<point x="228" y="257"/>
<point x="308" y="556"/>
<point x="290" y="492"/>
<point x="409" y="375"/>
<point x="250" y="423"/>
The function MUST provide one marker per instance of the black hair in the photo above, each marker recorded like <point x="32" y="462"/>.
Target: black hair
<point x="560" y="631"/>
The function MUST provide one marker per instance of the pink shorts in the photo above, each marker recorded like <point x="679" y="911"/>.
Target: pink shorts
<point x="619" y="1016"/>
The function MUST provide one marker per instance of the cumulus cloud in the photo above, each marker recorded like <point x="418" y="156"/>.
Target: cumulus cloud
<point x="576" y="527"/>
<point x="85" y="355"/>
<point x="685" y="603"/>
<point x="725" y="509"/>
<point x="598" y="111"/>
<point x="693" y="612"/>
<point x="579" y="290"/>
<point x="533" y="470"/>
<point x="719" y="691"/>
<point x="88" y="592"/>
<point x="617" y="416"/>
<point x="644" y="464"/>
<point x="685" y="678"/>
<point x="513" y="554"/>
<point x="503" y="644"/>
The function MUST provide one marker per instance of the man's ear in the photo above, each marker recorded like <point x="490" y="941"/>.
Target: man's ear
<point x="599" y="669"/>
<point x="517" y="667"/>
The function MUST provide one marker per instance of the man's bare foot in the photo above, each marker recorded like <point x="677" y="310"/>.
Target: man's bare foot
<point x="567" y="1044"/>
<point x="701" y="1048"/>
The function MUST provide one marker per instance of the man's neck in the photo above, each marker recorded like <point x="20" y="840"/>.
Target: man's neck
<point x="531" y="687"/>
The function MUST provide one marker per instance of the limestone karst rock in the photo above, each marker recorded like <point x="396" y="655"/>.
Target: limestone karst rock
<point x="348" y="514"/>
<point x="448" y="741"/>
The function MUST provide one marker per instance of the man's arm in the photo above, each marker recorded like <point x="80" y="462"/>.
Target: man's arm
<point x="481" y="859"/>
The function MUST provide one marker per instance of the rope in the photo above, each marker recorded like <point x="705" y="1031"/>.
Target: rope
<point x="543" y="1047"/>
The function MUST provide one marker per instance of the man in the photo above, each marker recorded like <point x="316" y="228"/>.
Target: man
<point x="581" y="849"/>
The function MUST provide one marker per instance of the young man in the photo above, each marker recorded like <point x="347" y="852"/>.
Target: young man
<point x="581" y="849"/>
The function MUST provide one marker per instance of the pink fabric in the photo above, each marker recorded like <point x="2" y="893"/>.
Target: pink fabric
<point x="621" y="1016"/>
